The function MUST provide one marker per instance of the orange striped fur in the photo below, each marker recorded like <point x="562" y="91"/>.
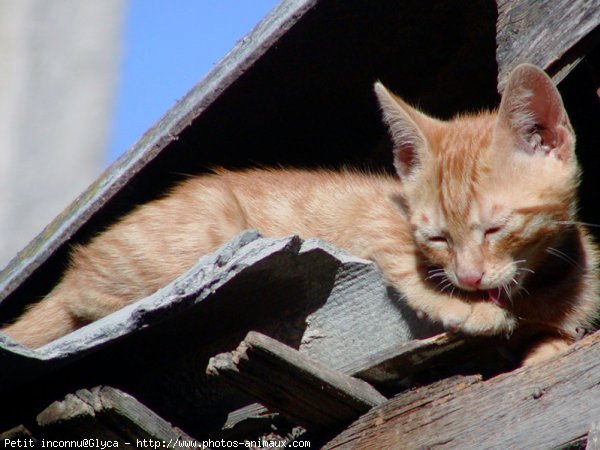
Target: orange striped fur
<point x="478" y="230"/>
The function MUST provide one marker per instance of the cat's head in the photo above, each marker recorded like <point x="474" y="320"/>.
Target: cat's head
<point x="487" y="194"/>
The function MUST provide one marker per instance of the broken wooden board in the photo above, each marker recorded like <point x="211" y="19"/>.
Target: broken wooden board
<point x="104" y="414"/>
<point x="305" y="391"/>
<point x="20" y="436"/>
<point x="543" y="406"/>
<point x="21" y="364"/>
<point x="422" y="361"/>
<point x="396" y="368"/>
<point x="357" y="319"/>
<point x="391" y="367"/>
<point x="551" y="34"/>
<point x="331" y="306"/>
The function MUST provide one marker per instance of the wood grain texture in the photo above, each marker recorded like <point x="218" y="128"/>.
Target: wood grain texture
<point x="392" y="365"/>
<point x="107" y="414"/>
<point x="542" y="406"/>
<point x="18" y="434"/>
<point x="544" y="33"/>
<point x="593" y="437"/>
<point x="304" y="390"/>
<point x="387" y="369"/>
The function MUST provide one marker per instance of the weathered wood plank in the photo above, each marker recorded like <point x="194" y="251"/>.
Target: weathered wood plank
<point x="390" y="369"/>
<point x="304" y="390"/>
<point x="20" y="436"/>
<point x="109" y="415"/>
<point x="251" y="420"/>
<point x="544" y="33"/>
<point x="593" y="438"/>
<point x="332" y="299"/>
<point x="558" y="400"/>
<point x="395" y="368"/>
<point x="391" y="366"/>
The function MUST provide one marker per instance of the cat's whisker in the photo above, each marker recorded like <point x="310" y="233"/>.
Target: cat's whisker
<point x="523" y="289"/>
<point x="444" y="283"/>
<point x="561" y="255"/>
<point x="447" y="284"/>
<point x="508" y="291"/>
<point x="519" y="288"/>
<point x="503" y="268"/>
<point x="433" y="273"/>
<point x="443" y="280"/>
<point x="525" y="269"/>
<point x="436" y="275"/>
<point x="508" y="287"/>
<point x="575" y="222"/>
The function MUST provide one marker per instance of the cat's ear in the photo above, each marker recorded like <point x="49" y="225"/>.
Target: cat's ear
<point x="532" y="115"/>
<point x="405" y="126"/>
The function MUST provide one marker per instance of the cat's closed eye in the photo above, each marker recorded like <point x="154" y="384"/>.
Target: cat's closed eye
<point x="491" y="231"/>
<point x="438" y="239"/>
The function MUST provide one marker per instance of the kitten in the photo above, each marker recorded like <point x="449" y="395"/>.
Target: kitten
<point x="478" y="231"/>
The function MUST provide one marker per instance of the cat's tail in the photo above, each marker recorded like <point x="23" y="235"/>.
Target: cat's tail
<point x="42" y="323"/>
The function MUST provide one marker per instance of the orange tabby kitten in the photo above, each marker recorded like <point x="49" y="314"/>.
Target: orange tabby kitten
<point x="479" y="230"/>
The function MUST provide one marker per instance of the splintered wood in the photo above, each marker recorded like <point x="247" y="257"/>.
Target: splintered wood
<point x="303" y="390"/>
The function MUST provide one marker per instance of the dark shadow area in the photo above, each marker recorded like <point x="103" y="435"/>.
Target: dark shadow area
<point x="163" y="365"/>
<point x="581" y="98"/>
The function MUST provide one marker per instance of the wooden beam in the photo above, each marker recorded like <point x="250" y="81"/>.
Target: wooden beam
<point x="107" y="414"/>
<point x="20" y="436"/>
<point x="542" y="406"/>
<point x="390" y="367"/>
<point x="304" y="390"/>
<point x="395" y="368"/>
<point x="552" y="34"/>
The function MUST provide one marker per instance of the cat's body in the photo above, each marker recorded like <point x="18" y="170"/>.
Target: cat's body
<point x="479" y="233"/>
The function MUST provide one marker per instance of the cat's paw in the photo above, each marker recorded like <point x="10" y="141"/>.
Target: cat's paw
<point x="545" y="349"/>
<point x="453" y="315"/>
<point x="488" y="319"/>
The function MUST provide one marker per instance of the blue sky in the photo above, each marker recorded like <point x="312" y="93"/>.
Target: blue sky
<point x="168" y="47"/>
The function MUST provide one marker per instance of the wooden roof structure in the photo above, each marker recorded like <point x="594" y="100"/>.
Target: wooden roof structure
<point x="293" y="339"/>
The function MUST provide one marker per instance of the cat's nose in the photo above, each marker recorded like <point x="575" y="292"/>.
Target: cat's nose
<point x="472" y="280"/>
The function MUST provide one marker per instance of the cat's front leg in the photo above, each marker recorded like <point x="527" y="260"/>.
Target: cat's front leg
<point x="455" y="314"/>
<point x="488" y="319"/>
<point x="428" y="304"/>
<point x="474" y="319"/>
